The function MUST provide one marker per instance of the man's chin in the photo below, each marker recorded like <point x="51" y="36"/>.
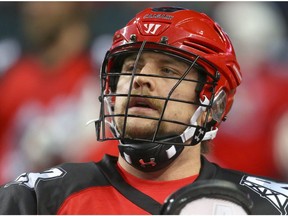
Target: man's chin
<point x="140" y="133"/>
<point x="138" y="130"/>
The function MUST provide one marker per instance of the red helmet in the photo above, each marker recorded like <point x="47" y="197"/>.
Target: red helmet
<point x="189" y="35"/>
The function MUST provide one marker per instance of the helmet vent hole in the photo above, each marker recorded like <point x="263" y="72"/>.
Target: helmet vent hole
<point x="167" y="9"/>
<point x="201" y="47"/>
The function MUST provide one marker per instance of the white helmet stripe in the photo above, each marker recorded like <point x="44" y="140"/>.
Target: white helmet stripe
<point x="171" y="151"/>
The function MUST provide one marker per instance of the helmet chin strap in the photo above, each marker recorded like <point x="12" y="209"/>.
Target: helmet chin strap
<point x="197" y="133"/>
<point x="153" y="156"/>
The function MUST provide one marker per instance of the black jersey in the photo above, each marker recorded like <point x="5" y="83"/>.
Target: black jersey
<point x="99" y="188"/>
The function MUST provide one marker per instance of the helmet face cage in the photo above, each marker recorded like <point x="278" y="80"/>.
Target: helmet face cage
<point x="111" y="71"/>
<point x="174" y="32"/>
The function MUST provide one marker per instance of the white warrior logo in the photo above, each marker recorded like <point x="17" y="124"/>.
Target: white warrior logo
<point x="151" y="28"/>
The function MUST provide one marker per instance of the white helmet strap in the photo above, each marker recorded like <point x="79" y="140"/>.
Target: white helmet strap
<point x="190" y="131"/>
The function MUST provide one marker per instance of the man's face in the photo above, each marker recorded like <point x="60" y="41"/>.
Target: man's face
<point x="159" y="65"/>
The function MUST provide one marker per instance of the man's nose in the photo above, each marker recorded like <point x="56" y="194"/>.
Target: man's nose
<point x="143" y="78"/>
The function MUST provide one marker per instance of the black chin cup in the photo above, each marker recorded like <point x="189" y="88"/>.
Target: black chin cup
<point x="148" y="156"/>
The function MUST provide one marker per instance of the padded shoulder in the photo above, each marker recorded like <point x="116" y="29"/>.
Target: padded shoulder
<point x="47" y="190"/>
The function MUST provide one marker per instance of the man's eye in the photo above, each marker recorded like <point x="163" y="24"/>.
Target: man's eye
<point x="169" y="71"/>
<point x="128" y="68"/>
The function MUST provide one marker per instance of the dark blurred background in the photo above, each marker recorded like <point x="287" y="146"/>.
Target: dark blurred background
<point x="50" y="55"/>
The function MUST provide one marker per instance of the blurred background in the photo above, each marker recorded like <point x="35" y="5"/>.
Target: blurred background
<point x="50" y="55"/>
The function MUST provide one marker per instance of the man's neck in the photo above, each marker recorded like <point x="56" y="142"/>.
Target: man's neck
<point x="187" y="164"/>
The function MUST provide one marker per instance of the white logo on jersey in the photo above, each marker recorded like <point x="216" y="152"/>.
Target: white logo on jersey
<point x="31" y="179"/>
<point x="275" y="193"/>
<point x="151" y="28"/>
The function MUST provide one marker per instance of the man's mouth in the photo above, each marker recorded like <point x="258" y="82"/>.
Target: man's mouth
<point x="138" y="102"/>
